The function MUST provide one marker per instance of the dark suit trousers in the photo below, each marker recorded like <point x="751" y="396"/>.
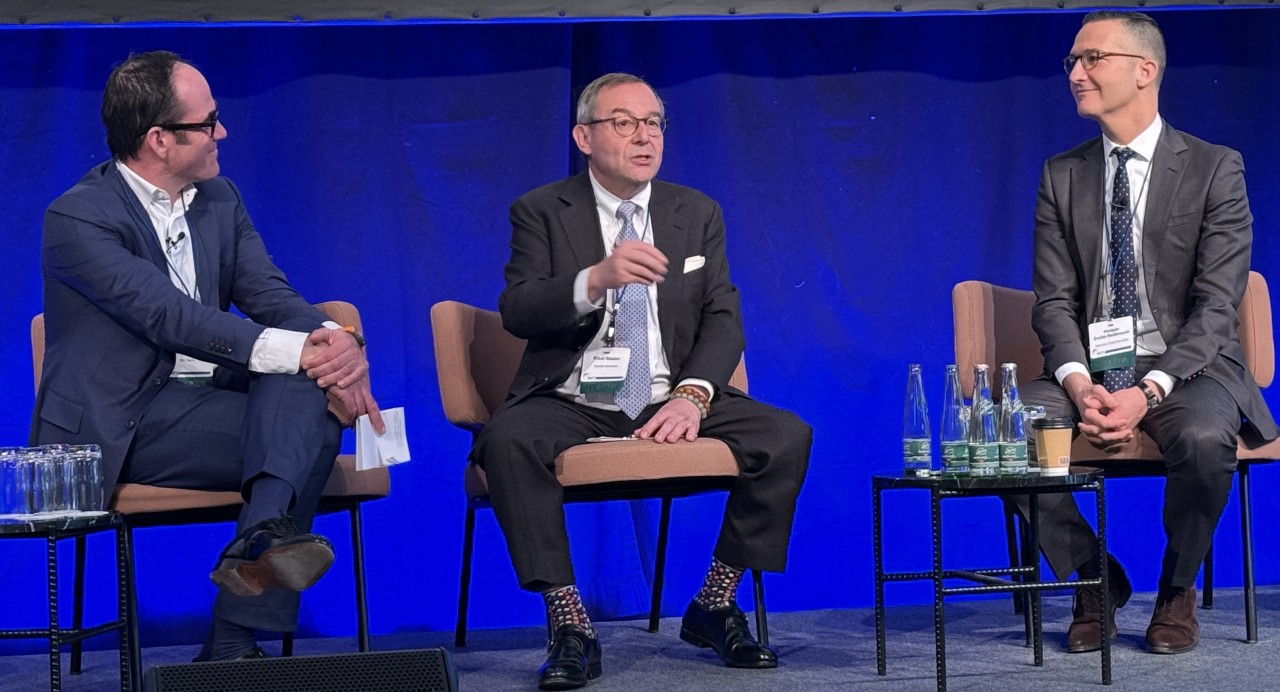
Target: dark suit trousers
<point x="216" y="438"/>
<point x="518" y="449"/>
<point x="1195" y="428"/>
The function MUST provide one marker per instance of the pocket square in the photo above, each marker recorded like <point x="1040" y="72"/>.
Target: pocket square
<point x="694" y="263"/>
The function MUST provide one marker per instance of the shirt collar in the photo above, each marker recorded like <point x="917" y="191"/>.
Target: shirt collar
<point x="1144" y="145"/>
<point x="607" y="202"/>
<point x="149" y="194"/>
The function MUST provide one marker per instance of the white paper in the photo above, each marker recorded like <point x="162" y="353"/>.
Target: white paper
<point x="374" y="450"/>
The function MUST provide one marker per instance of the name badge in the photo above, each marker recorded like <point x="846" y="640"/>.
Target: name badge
<point x="604" y="370"/>
<point x="1112" y="344"/>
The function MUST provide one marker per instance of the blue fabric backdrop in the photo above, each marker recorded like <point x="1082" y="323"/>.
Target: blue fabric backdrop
<point x="865" y="165"/>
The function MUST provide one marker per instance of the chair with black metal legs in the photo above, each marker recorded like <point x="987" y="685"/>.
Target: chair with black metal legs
<point x="476" y="360"/>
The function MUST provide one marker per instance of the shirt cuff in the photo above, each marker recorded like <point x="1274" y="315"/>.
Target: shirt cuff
<point x="1164" y="379"/>
<point x="711" y="390"/>
<point x="1067" y="368"/>
<point x="581" y="303"/>
<point x="278" y="351"/>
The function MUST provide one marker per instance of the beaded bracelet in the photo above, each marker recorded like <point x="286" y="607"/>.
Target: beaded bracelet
<point x="702" y="410"/>
<point x="695" y="395"/>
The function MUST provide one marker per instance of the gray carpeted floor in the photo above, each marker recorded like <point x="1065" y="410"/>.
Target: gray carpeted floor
<point x="824" y="650"/>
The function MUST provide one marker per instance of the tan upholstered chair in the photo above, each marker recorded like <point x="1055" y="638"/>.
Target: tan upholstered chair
<point x="993" y="325"/>
<point x="476" y="360"/>
<point x="149" y="505"/>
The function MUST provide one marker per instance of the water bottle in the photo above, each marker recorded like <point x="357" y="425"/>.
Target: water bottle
<point x="953" y="433"/>
<point x="984" y="445"/>
<point x="917" y="458"/>
<point x="1013" y="424"/>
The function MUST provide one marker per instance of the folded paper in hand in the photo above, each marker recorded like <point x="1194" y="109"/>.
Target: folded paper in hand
<point x="374" y="450"/>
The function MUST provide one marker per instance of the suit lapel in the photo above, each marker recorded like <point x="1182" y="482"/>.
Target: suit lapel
<point x="141" y="221"/>
<point x="1167" y="167"/>
<point x="670" y="232"/>
<point x="205" y="247"/>
<point x="580" y="222"/>
<point x="1087" y="203"/>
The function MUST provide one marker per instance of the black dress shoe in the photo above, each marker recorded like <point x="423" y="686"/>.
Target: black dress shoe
<point x="725" y="630"/>
<point x="272" y="553"/>
<point x="573" y="659"/>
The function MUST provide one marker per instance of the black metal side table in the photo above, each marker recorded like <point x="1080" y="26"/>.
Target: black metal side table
<point x="53" y="530"/>
<point x="1022" y="579"/>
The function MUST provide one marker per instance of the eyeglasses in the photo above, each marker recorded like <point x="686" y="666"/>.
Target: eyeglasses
<point x="1090" y="59"/>
<point x="626" y="125"/>
<point x="208" y="127"/>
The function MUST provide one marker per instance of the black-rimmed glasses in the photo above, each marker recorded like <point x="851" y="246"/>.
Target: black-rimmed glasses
<point x="208" y="127"/>
<point x="626" y="125"/>
<point x="1090" y="59"/>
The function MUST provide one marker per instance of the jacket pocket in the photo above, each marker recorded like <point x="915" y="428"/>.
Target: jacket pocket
<point x="61" y="411"/>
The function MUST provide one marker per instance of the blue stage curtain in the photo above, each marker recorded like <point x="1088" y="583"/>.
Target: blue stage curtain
<point x="865" y="165"/>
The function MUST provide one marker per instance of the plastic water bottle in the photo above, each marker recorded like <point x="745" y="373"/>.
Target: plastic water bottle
<point x="917" y="457"/>
<point x="1013" y="424"/>
<point x="953" y="432"/>
<point x="984" y="445"/>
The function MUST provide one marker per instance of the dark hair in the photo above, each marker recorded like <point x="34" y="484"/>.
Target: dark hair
<point x="139" y="94"/>
<point x="1142" y="28"/>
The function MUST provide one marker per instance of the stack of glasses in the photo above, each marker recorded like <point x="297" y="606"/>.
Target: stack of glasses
<point x="51" y="479"/>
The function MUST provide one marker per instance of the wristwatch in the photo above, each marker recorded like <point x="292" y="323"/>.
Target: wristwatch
<point x="1152" y="399"/>
<point x="357" y="335"/>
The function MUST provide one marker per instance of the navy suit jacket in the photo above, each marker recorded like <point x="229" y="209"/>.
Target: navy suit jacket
<point x="556" y="233"/>
<point x="1197" y="238"/>
<point x="114" y="320"/>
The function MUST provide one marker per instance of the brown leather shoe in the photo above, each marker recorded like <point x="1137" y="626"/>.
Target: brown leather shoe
<point x="1085" y="633"/>
<point x="1173" y="628"/>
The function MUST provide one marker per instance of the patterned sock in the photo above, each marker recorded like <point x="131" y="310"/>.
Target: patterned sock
<point x="720" y="588"/>
<point x="564" y="607"/>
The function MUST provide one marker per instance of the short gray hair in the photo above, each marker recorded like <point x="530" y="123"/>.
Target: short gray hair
<point x="1140" y="27"/>
<point x="587" y="101"/>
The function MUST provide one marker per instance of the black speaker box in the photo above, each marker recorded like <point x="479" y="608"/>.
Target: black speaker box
<point x="419" y="670"/>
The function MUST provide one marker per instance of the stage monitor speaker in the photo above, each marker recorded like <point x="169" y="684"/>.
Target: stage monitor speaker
<point x="420" y="670"/>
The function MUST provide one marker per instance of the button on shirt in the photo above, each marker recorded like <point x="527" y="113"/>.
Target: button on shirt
<point x="277" y="351"/>
<point x="1150" y="342"/>
<point x="610" y="227"/>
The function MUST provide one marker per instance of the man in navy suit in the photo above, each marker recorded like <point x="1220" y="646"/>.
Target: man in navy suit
<point x="589" y="283"/>
<point x="1146" y="229"/>
<point x="142" y="260"/>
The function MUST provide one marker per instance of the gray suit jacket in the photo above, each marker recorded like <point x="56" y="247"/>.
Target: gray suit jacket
<point x="1196" y="243"/>
<point x="556" y="233"/>
<point x="114" y="320"/>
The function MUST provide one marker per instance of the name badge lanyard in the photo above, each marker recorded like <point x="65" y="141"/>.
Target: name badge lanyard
<point x="610" y="297"/>
<point x="1107" y="295"/>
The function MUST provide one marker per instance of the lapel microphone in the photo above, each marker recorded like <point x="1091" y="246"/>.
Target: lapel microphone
<point x="171" y="243"/>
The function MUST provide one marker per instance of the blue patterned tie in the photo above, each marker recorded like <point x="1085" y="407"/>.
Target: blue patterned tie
<point x="1124" y="275"/>
<point x="633" y="330"/>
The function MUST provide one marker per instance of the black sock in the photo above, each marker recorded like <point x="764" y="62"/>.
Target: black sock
<point x="225" y="641"/>
<point x="269" y="497"/>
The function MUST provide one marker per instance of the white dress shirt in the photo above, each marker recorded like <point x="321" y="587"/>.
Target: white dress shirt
<point x="610" y="226"/>
<point x="1150" y="342"/>
<point x="277" y="351"/>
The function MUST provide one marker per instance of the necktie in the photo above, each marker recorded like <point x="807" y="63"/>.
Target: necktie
<point x="632" y="330"/>
<point x="1124" y="269"/>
